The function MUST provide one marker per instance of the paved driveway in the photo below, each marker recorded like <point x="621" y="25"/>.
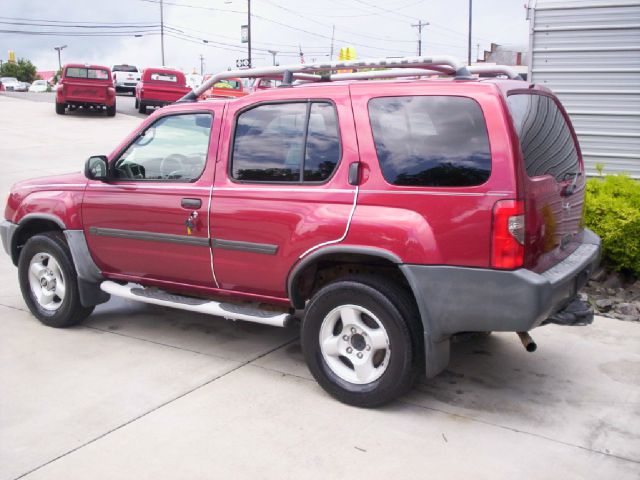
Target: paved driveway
<point x="144" y="392"/>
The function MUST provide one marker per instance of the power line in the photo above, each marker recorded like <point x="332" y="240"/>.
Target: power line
<point x="76" y="22"/>
<point x="82" y="34"/>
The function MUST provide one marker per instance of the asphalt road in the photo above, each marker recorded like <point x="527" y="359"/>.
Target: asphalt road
<point x="124" y="103"/>
<point x="145" y="392"/>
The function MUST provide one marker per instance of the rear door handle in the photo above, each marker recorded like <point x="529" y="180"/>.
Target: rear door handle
<point x="191" y="203"/>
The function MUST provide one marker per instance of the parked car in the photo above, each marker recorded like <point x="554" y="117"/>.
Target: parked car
<point x="22" y="87"/>
<point x="194" y="80"/>
<point x="125" y="78"/>
<point x="39" y="86"/>
<point x="10" y="84"/>
<point x="160" y="87"/>
<point x="395" y="213"/>
<point x="226" y="88"/>
<point x="86" y="86"/>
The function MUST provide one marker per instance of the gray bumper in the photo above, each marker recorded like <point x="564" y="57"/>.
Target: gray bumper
<point x="7" y="230"/>
<point x="460" y="299"/>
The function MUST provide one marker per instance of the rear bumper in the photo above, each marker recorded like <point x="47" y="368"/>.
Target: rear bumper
<point x="459" y="299"/>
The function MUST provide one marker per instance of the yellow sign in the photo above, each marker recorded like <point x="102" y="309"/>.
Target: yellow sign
<point x="12" y="56"/>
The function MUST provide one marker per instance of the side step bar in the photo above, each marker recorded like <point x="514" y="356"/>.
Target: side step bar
<point x="230" y="311"/>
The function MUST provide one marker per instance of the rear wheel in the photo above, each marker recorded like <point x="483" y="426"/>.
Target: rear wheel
<point x="136" y="104"/>
<point x="60" y="108"/>
<point x="142" y="108"/>
<point x="48" y="281"/>
<point x="358" y="343"/>
<point x="111" y="111"/>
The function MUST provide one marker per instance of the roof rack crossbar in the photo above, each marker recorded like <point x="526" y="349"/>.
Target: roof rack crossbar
<point x="489" y="70"/>
<point x="443" y="63"/>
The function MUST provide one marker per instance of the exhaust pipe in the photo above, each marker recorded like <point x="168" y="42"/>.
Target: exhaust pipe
<point x="527" y="342"/>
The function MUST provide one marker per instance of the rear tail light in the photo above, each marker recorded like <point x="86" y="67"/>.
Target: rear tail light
<point x="507" y="236"/>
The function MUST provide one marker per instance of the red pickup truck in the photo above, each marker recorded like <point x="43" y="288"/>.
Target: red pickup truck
<point x="393" y="214"/>
<point x="86" y="86"/>
<point x="159" y="87"/>
<point x="227" y="88"/>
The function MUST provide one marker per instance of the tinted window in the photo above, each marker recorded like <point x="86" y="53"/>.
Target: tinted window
<point x="269" y="143"/>
<point x="323" y="146"/>
<point x="430" y="140"/>
<point x="124" y="68"/>
<point x="173" y="148"/>
<point x="90" y="73"/>
<point x="545" y="139"/>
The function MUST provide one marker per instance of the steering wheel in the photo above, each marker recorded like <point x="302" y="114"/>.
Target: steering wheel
<point x="173" y="166"/>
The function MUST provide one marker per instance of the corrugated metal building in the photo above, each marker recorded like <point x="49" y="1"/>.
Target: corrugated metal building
<point x="588" y="53"/>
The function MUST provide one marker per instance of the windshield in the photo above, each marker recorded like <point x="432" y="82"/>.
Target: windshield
<point x="89" y="73"/>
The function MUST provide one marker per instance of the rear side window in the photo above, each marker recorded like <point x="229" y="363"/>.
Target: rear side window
<point x="425" y="141"/>
<point x="546" y="142"/>
<point x="290" y="142"/>
<point x="90" y="73"/>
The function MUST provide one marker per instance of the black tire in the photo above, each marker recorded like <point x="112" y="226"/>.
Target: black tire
<point x="60" y="108"/>
<point x="70" y="311"/>
<point x="136" y="104"/>
<point x="142" y="108"/>
<point x="395" y="310"/>
<point x="111" y="111"/>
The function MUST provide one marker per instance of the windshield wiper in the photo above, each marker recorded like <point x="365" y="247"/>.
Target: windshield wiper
<point x="570" y="189"/>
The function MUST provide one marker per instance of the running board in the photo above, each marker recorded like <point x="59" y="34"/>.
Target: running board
<point x="230" y="311"/>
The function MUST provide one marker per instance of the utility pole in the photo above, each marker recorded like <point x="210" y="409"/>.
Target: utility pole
<point x="420" y="25"/>
<point x="478" y="52"/>
<point x="333" y="34"/>
<point x="249" y="31"/>
<point x="162" y="31"/>
<point x="59" y="49"/>
<point x="470" y="17"/>
<point x="274" y="53"/>
<point x="201" y="65"/>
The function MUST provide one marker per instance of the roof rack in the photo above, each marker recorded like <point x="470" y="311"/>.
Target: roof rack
<point x="323" y="72"/>
<point x="489" y="70"/>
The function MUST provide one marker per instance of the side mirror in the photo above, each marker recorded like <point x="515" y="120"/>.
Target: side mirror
<point x="97" y="168"/>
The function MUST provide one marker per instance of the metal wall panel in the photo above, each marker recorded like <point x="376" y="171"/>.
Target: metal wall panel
<point x="588" y="53"/>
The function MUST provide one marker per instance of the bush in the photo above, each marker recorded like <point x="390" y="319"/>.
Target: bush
<point x="612" y="210"/>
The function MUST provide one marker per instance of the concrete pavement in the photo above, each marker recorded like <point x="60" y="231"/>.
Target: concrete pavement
<point x="151" y="393"/>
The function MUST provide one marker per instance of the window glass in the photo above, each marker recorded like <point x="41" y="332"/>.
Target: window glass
<point x="234" y="84"/>
<point x="430" y="140"/>
<point x="164" y="77"/>
<point x="546" y="142"/>
<point x="173" y="148"/>
<point x="124" y="68"/>
<point x="90" y="73"/>
<point x="323" y="145"/>
<point x="268" y="143"/>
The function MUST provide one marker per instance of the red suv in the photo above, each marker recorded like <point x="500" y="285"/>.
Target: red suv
<point x="87" y="86"/>
<point x="395" y="214"/>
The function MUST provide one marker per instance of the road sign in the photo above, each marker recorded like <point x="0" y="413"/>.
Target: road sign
<point x="242" y="63"/>
<point x="244" y="33"/>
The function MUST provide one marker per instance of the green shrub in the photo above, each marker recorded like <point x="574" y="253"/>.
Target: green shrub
<point x="612" y="210"/>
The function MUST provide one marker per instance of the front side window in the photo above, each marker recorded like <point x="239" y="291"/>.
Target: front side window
<point x="423" y="141"/>
<point x="173" y="148"/>
<point x="89" y="73"/>
<point x="269" y="143"/>
<point x="546" y="142"/>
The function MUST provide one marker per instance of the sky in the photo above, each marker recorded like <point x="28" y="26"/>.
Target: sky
<point x="374" y="28"/>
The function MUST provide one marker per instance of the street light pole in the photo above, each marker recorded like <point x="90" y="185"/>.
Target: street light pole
<point x="470" y="17"/>
<point x="249" y="31"/>
<point x="59" y="49"/>
<point x="274" y="53"/>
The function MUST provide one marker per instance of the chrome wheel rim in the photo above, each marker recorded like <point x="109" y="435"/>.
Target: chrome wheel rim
<point x="354" y="344"/>
<point x="47" y="281"/>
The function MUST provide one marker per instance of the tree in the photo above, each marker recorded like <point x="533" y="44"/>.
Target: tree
<point x="23" y="70"/>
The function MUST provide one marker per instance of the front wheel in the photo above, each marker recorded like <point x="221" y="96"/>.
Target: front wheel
<point x="48" y="281"/>
<point x="357" y="341"/>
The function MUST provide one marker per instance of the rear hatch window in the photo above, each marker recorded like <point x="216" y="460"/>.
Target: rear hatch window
<point x="554" y="184"/>
<point x="426" y="141"/>
<point x="87" y="73"/>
